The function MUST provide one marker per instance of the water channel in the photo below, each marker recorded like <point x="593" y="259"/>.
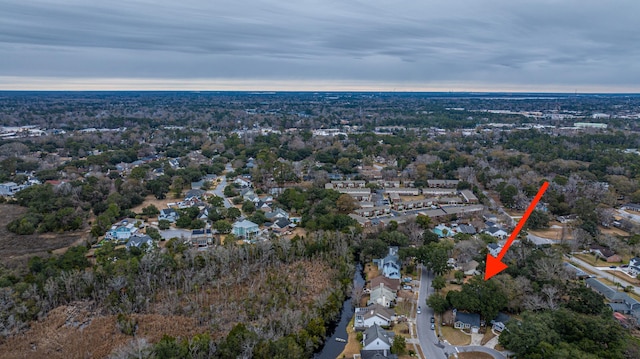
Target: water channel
<point x="333" y="348"/>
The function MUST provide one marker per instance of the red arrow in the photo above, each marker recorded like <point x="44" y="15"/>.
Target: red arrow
<point x="494" y="264"/>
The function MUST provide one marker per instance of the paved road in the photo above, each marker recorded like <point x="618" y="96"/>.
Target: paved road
<point x="219" y="191"/>
<point x="431" y="347"/>
<point x="603" y="273"/>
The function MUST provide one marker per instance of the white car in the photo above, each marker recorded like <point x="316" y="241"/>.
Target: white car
<point x="419" y="310"/>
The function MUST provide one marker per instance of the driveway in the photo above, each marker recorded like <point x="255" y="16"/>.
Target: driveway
<point x="431" y="346"/>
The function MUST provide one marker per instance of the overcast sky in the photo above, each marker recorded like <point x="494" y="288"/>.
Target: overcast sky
<point x="458" y="45"/>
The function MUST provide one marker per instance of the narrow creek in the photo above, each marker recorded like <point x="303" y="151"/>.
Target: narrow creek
<point x="333" y="348"/>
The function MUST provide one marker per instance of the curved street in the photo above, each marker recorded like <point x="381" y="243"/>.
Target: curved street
<point x="431" y="346"/>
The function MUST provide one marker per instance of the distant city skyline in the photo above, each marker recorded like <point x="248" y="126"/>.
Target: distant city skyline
<point x="584" y="46"/>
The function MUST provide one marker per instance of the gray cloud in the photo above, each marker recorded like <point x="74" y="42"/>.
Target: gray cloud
<point x="541" y="42"/>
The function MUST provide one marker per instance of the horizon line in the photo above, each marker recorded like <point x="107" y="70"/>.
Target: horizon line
<point x="75" y="84"/>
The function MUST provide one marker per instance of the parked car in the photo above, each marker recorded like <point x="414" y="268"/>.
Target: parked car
<point x="419" y="310"/>
<point x="612" y="267"/>
<point x="433" y="326"/>
<point x="433" y="320"/>
<point x="407" y="279"/>
<point x="407" y="287"/>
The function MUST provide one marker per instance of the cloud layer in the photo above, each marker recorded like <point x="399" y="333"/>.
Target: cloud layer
<point x="490" y="43"/>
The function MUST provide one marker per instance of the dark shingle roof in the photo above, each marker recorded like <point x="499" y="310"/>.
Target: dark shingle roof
<point x="472" y="319"/>
<point x="376" y="332"/>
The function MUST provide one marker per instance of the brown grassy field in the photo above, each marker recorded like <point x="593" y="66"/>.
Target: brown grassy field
<point x="75" y="332"/>
<point x="15" y="249"/>
<point x="455" y="336"/>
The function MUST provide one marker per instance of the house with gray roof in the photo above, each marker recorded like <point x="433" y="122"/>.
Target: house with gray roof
<point x="139" y="240"/>
<point x="377" y="354"/>
<point x="168" y="214"/>
<point x="618" y="301"/>
<point x="469" y="321"/>
<point x="466" y="229"/>
<point x="373" y="314"/>
<point x="382" y="295"/>
<point x="194" y="194"/>
<point x="376" y="338"/>
<point x="499" y="323"/>
<point x="494" y="249"/>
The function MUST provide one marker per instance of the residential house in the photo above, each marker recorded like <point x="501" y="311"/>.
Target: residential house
<point x="471" y="268"/>
<point x="466" y="229"/>
<point x="201" y="238"/>
<point x="634" y="266"/>
<point x="138" y="240"/>
<point x="605" y="253"/>
<point x="618" y="301"/>
<point x="382" y="295"/>
<point x="245" y="229"/>
<point x="242" y="182"/>
<point x="281" y="225"/>
<point x="373" y="314"/>
<point x="375" y="354"/>
<point x="577" y="272"/>
<point x="168" y="214"/>
<point x="494" y="249"/>
<point x="500" y="322"/>
<point x="631" y="207"/>
<point x="197" y="185"/>
<point x="390" y="265"/>
<point x="193" y="194"/>
<point x="248" y="195"/>
<point x="443" y="231"/>
<point x="496" y="232"/>
<point x="376" y="338"/>
<point x="490" y="218"/>
<point x="121" y="232"/>
<point x="9" y="188"/>
<point x="469" y="321"/>
<point x="276" y="214"/>
<point x="393" y="284"/>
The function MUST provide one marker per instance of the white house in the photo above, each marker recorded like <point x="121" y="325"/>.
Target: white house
<point x="376" y="338"/>
<point x="382" y="295"/>
<point x="494" y="249"/>
<point x="373" y="314"/>
<point x="497" y="232"/>
<point x="139" y="240"/>
<point x="242" y="182"/>
<point x="168" y="214"/>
